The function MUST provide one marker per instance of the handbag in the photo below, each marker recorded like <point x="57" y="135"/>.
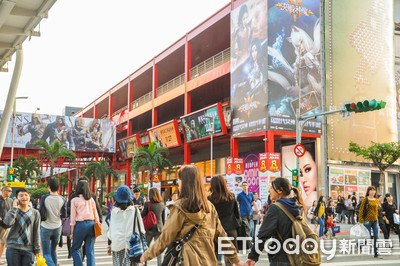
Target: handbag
<point x="137" y="243"/>
<point x="97" y="226"/>
<point x="42" y="209"/>
<point x="150" y="219"/>
<point x="173" y="255"/>
<point x="244" y="231"/>
<point x="66" y="226"/>
<point x="396" y="218"/>
<point x="336" y="229"/>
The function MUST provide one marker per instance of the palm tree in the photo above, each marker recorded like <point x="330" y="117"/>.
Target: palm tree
<point x="100" y="170"/>
<point x="27" y="168"/>
<point x="53" y="152"/>
<point x="153" y="157"/>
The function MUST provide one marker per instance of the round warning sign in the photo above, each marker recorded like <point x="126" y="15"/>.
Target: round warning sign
<point x="299" y="150"/>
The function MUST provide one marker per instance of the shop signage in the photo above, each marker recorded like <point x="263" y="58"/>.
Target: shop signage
<point x="269" y="167"/>
<point x="166" y="135"/>
<point x="128" y="146"/>
<point x="196" y="126"/>
<point x="345" y="181"/>
<point x="234" y="174"/>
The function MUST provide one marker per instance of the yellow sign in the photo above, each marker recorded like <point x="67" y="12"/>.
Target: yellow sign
<point x="11" y="171"/>
<point x="15" y="184"/>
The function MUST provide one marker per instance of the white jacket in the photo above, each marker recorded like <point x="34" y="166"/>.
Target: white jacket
<point x="121" y="227"/>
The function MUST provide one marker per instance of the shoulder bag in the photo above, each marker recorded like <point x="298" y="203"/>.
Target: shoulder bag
<point x="150" y="219"/>
<point x="365" y="208"/>
<point x="137" y="243"/>
<point x="173" y="255"/>
<point x="97" y="226"/>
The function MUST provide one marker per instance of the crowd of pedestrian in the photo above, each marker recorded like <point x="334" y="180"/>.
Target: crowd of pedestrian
<point x="193" y="215"/>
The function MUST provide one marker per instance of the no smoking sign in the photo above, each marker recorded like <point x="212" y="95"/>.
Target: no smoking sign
<point x="299" y="150"/>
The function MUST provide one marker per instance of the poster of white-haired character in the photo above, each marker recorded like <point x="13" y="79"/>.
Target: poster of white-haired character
<point x="294" y="63"/>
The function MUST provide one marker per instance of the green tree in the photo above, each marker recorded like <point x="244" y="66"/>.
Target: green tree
<point x="152" y="157"/>
<point x="100" y="170"/>
<point x="38" y="193"/>
<point x="53" y="152"/>
<point x="383" y="155"/>
<point x="27" y="168"/>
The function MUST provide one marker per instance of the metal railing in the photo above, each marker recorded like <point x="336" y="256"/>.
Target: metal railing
<point x="120" y="110"/>
<point x="173" y="83"/>
<point x="210" y="63"/>
<point x="142" y="100"/>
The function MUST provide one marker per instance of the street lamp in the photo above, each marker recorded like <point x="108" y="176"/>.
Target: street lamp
<point x="12" y="128"/>
<point x="37" y="109"/>
<point x="211" y="130"/>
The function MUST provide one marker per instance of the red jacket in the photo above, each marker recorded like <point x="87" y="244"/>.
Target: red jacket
<point x="330" y="223"/>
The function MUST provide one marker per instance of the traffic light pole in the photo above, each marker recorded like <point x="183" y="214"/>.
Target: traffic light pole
<point x="301" y="122"/>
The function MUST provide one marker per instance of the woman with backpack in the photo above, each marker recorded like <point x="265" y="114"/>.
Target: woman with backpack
<point x="276" y="223"/>
<point x="122" y="219"/>
<point x="155" y="205"/>
<point x="389" y="208"/>
<point x="320" y="215"/>
<point x="195" y="217"/>
<point x="369" y="215"/>
<point x="226" y="206"/>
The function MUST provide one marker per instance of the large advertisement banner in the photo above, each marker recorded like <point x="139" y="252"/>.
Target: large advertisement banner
<point x="128" y="146"/>
<point x="166" y="135"/>
<point x="249" y="68"/>
<point x="269" y="167"/>
<point x="307" y="172"/>
<point x="344" y="181"/>
<point x="75" y="133"/>
<point x="359" y="67"/>
<point x="196" y="126"/>
<point x="294" y="61"/>
<point x="234" y="174"/>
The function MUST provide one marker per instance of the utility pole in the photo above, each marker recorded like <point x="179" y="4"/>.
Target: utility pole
<point x="211" y="131"/>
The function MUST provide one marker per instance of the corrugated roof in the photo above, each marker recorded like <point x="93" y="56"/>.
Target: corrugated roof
<point x="18" y="20"/>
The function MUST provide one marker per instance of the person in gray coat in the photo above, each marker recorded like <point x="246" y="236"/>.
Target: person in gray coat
<point x="156" y="205"/>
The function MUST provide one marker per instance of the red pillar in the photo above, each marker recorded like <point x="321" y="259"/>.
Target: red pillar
<point x="93" y="185"/>
<point x="128" y="173"/>
<point x="269" y="144"/>
<point x="186" y="149"/>
<point x="234" y="147"/>
<point x="155" y="86"/>
<point x="95" y="111"/>
<point x="130" y="93"/>
<point x="69" y="183"/>
<point x="108" y="184"/>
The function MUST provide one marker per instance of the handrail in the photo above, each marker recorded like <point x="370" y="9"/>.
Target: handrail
<point x="169" y="85"/>
<point x="142" y="100"/>
<point x="210" y="63"/>
<point x="120" y="110"/>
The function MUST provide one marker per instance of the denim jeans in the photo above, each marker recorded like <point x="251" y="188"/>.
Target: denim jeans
<point x="249" y="219"/>
<point x="50" y="239"/>
<point x="108" y="219"/>
<point x="374" y="226"/>
<point x="279" y="263"/>
<point x="321" y="226"/>
<point x="84" y="231"/>
<point x="255" y="223"/>
<point x="19" y="257"/>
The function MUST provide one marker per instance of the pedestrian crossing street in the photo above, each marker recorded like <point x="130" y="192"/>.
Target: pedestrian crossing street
<point x="339" y="259"/>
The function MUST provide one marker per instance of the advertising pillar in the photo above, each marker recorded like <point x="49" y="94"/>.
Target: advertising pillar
<point x="269" y="167"/>
<point x="234" y="174"/>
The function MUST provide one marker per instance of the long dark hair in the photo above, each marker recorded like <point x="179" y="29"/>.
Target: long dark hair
<point x="193" y="194"/>
<point x="219" y="190"/>
<point x="82" y="188"/>
<point x="320" y="199"/>
<point x="298" y="197"/>
<point x="123" y="206"/>
<point x="154" y="195"/>
<point x="371" y="188"/>
<point x="282" y="184"/>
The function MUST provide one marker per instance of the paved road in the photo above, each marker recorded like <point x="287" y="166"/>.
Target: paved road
<point x="339" y="259"/>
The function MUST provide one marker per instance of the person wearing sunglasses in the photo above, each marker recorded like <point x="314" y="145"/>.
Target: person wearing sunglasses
<point x="6" y="203"/>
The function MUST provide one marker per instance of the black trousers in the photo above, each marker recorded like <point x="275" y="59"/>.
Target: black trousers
<point x="394" y="227"/>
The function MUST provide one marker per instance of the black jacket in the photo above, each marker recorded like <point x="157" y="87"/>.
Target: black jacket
<point x="340" y="206"/>
<point x="275" y="221"/>
<point x="228" y="213"/>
